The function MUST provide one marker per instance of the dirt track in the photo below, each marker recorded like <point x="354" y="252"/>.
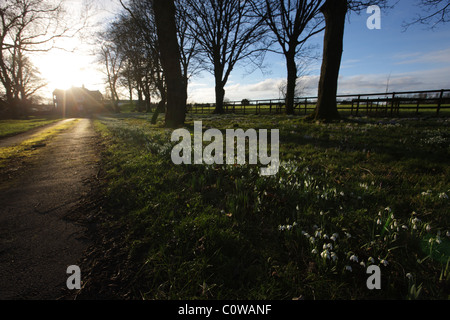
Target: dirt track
<point x="37" y="241"/>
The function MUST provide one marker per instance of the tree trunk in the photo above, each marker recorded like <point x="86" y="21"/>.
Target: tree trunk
<point x="161" y="107"/>
<point x="220" y="95"/>
<point x="291" y="83"/>
<point x="116" y="100"/>
<point x="140" y="106"/>
<point x="334" y="12"/>
<point x="170" y="61"/>
<point x="130" y="91"/>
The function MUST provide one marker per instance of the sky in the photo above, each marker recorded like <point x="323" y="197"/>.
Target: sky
<point x="374" y="61"/>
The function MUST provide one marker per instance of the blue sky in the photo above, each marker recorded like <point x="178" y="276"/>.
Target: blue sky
<point x="416" y="59"/>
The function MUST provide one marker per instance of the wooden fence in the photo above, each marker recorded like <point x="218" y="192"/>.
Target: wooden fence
<point x="436" y="102"/>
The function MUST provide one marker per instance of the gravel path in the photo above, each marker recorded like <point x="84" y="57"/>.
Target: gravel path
<point x="37" y="241"/>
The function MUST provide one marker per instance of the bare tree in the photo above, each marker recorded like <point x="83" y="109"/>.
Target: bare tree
<point x="300" y="83"/>
<point x="113" y="62"/>
<point x="27" y="26"/>
<point x="170" y="60"/>
<point x="334" y="12"/>
<point x="228" y="32"/>
<point x="292" y="23"/>
<point x="135" y="34"/>
<point x="434" y="13"/>
<point x="189" y="46"/>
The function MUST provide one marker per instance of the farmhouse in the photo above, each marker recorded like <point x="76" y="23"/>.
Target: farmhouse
<point x="76" y="101"/>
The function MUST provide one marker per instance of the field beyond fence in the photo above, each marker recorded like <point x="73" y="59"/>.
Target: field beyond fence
<point x="431" y="102"/>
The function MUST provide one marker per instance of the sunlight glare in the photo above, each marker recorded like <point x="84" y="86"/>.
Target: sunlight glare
<point x="66" y="69"/>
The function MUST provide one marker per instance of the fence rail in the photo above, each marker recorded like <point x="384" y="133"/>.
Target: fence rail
<point x="370" y="104"/>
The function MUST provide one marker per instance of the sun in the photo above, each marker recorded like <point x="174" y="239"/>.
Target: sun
<point x="63" y="70"/>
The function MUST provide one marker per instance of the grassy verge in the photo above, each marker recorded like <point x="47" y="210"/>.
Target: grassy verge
<point x="12" y="127"/>
<point x="344" y="110"/>
<point x="347" y="195"/>
<point x="31" y="146"/>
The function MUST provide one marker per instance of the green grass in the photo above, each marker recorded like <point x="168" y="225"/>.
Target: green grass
<point x="344" y="109"/>
<point x="12" y="127"/>
<point x="347" y="195"/>
<point x="25" y="148"/>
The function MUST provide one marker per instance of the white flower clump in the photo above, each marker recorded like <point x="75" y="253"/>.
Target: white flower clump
<point x="287" y="227"/>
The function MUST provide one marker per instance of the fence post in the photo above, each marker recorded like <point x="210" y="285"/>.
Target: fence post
<point x="392" y="104"/>
<point x="357" y="106"/>
<point x="440" y="102"/>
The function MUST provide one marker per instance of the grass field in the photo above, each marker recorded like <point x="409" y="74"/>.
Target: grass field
<point x="348" y="195"/>
<point x="12" y="127"/>
<point x="344" y="109"/>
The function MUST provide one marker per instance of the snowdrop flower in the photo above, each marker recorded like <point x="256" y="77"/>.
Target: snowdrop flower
<point x="371" y="260"/>
<point x="348" y="268"/>
<point x="384" y="262"/>
<point x="409" y="276"/>
<point x="348" y="235"/>
<point x="443" y="195"/>
<point x="325" y="254"/>
<point x="314" y="251"/>
<point x="378" y="221"/>
<point x="354" y="258"/>
<point x="428" y="228"/>
<point x="362" y="264"/>
<point x="447" y="233"/>
<point x="438" y="239"/>
<point x="281" y="228"/>
<point x="334" y="236"/>
<point x="334" y="256"/>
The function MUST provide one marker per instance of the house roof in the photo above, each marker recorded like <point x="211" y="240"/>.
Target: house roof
<point x="77" y="91"/>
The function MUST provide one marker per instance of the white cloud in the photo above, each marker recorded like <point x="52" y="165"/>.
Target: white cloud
<point x="439" y="56"/>
<point x="408" y="81"/>
<point x="266" y="89"/>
